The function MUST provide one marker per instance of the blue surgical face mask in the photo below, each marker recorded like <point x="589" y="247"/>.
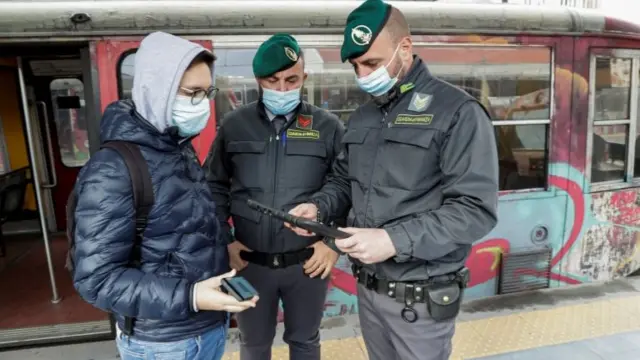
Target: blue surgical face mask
<point x="379" y="82"/>
<point x="190" y="119"/>
<point x="281" y="102"/>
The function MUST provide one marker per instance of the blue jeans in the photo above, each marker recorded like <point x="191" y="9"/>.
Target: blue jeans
<point x="207" y="346"/>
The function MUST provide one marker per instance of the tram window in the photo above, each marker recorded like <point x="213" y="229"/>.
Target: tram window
<point x="70" y="121"/>
<point x="522" y="154"/>
<point x="612" y="88"/>
<point x="126" y="75"/>
<point x="512" y="82"/>
<point x="611" y="119"/>
<point x="330" y="83"/>
<point x="609" y="152"/>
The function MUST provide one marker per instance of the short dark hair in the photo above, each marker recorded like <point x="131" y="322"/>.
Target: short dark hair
<point x="397" y="26"/>
<point x="206" y="57"/>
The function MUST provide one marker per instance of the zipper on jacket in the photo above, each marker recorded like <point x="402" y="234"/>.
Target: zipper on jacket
<point x="376" y="267"/>
<point x="275" y="148"/>
<point x="373" y="169"/>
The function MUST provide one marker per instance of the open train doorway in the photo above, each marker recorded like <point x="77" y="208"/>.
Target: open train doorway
<point x="46" y="103"/>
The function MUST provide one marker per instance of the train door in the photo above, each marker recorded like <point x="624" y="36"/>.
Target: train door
<point x="116" y="66"/>
<point x="44" y="109"/>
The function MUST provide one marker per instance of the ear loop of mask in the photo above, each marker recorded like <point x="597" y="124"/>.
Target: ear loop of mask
<point x="401" y="66"/>
<point x="395" y="78"/>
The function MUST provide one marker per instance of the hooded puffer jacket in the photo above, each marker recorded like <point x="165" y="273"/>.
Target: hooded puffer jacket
<point x="181" y="244"/>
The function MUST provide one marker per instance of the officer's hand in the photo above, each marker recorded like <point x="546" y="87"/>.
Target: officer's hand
<point x="235" y="260"/>
<point x="307" y="211"/>
<point x="322" y="261"/>
<point x="209" y="296"/>
<point x="367" y="245"/>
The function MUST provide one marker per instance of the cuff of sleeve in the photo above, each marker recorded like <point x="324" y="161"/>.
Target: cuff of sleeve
<point x="401" y="241"/>
<point x="194" y="302"/>
<point x="323" y="215"/>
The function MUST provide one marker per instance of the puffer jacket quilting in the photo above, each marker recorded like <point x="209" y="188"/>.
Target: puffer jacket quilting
<point x="181" y="243"/>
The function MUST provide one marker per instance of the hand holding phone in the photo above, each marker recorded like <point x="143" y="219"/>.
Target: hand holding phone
<point x="210" y="294"/>
<point x="239" y="288"/>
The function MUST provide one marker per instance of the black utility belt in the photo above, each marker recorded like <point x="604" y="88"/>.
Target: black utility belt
<point x="442" y="294"/>
<point x="277" y="260"/>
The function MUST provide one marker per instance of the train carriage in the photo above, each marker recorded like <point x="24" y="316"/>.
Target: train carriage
<point x="561" y="86"/>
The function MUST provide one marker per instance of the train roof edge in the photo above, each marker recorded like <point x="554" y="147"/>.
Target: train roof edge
<point x="47" y="19"/>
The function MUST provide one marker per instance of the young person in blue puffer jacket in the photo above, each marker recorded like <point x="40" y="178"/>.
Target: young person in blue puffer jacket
<point x="179" y="310"/>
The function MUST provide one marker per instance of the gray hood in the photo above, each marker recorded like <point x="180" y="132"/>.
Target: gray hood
<point x="160" y="63"/>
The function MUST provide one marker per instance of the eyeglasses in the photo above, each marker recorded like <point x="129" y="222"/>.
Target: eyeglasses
<point x="198" y="95"/>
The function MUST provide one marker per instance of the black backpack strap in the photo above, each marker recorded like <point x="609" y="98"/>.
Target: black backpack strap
<point x="142" y="197"/>
<point x="140" y="181"/>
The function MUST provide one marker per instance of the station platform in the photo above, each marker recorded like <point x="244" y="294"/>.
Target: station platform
<point x="582" y="322"/>
<point x="588" y="322"/>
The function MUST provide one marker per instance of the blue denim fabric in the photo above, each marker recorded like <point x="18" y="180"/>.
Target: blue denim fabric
<point x="207" y="346"/>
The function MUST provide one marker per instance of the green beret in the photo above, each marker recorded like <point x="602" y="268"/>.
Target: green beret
<point x="279" y="52"/>
<point x="363" y="26"/>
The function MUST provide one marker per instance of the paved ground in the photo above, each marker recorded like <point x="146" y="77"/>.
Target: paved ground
<point x="590" y="322"/>
<point x="105" y="350"/>
<point x="623" y="346"/>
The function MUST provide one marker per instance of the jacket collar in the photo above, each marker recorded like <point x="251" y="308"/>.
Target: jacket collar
<point x="418" y="74"/>
<point x="303" y="109"/>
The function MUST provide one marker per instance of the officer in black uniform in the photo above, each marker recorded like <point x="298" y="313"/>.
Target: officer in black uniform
<point x="420" y="169"/>
<point x="277" y="151"/>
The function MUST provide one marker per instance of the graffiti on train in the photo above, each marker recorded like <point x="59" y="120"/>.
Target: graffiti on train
<point x="597" y="239"/>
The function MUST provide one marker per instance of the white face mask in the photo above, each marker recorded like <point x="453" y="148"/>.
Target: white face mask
<point x="379" y="82"/>
<point x="190" y="119"/>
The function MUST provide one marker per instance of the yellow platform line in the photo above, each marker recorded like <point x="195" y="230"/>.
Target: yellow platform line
<point x="502" y="334"/>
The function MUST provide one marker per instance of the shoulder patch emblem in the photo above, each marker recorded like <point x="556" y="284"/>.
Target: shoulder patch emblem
<point x="361" y="35"/>
<point x="420" y="102"/>
<point x="304" y="122"/>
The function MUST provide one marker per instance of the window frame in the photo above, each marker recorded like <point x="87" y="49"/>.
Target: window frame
<point x="546" y="122"/>
<point x="54" y="111"/>
<point x="628" y="181"/>
<point x="119" y="63"/>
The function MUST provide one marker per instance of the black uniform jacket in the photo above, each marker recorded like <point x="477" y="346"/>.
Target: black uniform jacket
<point x="422" y="164"/>
<point x="249" y="160"/>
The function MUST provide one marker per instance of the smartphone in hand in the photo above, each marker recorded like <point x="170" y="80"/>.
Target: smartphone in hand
<point x="239" y="288"/>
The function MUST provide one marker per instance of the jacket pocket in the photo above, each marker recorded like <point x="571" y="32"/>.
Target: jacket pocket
<point x="359" y="157"/>
<point x="246" y="222"/>
<point x="409" y="158"/>
<point x="248" y="159"/>
<point x="306" y="164"/>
